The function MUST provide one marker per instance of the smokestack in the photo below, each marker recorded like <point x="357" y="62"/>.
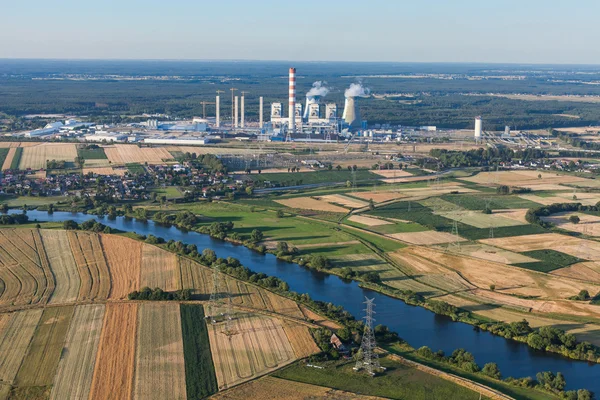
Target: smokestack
<point x="235" y="112"/>
<point x="242" y="113"/>
<point x="351" y="115"/>
<point x="218" y="116"/>
<point x="292" y="95"/>
<point x="260" y="112"/>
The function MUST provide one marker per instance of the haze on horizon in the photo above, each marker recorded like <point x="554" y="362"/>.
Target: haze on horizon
<point x="509" y="31"/>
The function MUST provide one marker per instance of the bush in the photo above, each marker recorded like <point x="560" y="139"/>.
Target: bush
<point x="492" y="370"/>
<point x="574" y="219"/>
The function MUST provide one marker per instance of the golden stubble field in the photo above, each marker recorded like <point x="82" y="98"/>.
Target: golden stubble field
<point x="120" y="154"/>
<point x="35" y="157"/>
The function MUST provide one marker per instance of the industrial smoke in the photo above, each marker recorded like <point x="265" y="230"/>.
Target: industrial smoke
<point x="357" y="90"/>
<point x="318" y="90"/>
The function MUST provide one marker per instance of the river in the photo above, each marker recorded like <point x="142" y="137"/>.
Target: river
<point x="418" y="326"/>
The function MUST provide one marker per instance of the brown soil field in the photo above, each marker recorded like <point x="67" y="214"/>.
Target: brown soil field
<point x="104" y="171"/>
<point x="14" y="341"/>
<point x="124" y="259"/>
<point x="76" y="367"/>
<point x="344" y="201"/>
<point x="35" y="157"/>
<point x="9" y="158"/>
<point x="195" y="277"/>
<point x="113" y="373"/>
<point x="271" y="388"/>
<point x="585" y="271"/>
<point x="493" y="254"/>
<point x="62" y="263"/>
<point x="588" y="225"/>
<point x="159" y="269"/>
<point x="584" y="249"/>
<point x="25" y="269"/>
<point x="300" y="339"/>
<point x="308" y="203"/>
<point x="406" y="179"/>
<point x="558" y="199"/>
<point x="93" y="271"/>
<point x="426" y="237"/>
<point x="39" y="365"/>
<point x="18" y="144"/>
<point x="522" y="178"/>
<point x="319" y="320"/>
<point x="392" y="173"/>
<point x="280" y="304"/>
<point x="378" y="197"/>
<point x="517" y="214"/>
<point x="159" y="368"/>
<point x="369" y="221"/>
<point x="317" y="245"/>
<point x="419" y="193"/>
<point x="258" y="346"/>
<point x="120" y="154"/>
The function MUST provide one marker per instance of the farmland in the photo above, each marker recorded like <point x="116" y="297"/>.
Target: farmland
<point x="90" y="261"/>
<point x="159" y="269"/>
<point x="35" y="157"/>
<point x="124" y="259"/>
<point x="122" y="154"/>
<point x="63" y="266"/>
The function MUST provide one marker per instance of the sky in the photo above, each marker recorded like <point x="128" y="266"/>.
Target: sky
<point x="499" y="31"/>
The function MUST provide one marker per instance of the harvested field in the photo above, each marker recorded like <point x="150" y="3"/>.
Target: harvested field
<point x="407" y="179"/>
<point x="113" y="373"/>
<point x="14" y="342"/>
<point x="40" y="363"/>
<point x="588" y="225"/>
<point x="25" y="270"/>
<point x="259" y="346"/>
<point x="120" y="154"/>
<point x="89" y="257"/>
<point x="159" y="269"/>
<point x="378" y="197"/>
<point x="344" y="201"/>
<point x="585" y="271"/>
<point x="517" y="214"/>
<point x="63" y="266"/>
<point x="479" y="219"/>
<point x="300" y="339"/>
<point x="493" y="254"/>
<point x="392" y="173"/>
<point x="219" y="150"/>
<point x="559" y="199"/>
<point x="309" y="203"/>
<point x="104" y="171"/>
<point x="9" y="158"/>
<point x="124" y="259"/>
<point x="581" y="248"/>
<point x="76" y="368"/>
<point x="195" y="277"/>
<point x="35" y="157"/>
<point x="280" y="304"/>
<point x="368" y="221"/>
<point x="319" y="320"/>
<point x="271" y="388"/>
<point x="426" y="238"/>
<point x="159" y="370"/>
<point x="525" y="178"/>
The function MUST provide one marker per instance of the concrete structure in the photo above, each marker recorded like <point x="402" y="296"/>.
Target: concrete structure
<point x="260" y="112"/>
<point x="236" y="111"/>
<point x="331" y="111"/>
<point x="218" y="111"/>
<point x="276" y="111"/>
<point x="180" y="140"/>
<point x="351" y="115"/>
<point x="477" y="128"/>
<point x="292" y="99"/>
<point x="242" y="117"/>
<point x="102" y="136"/>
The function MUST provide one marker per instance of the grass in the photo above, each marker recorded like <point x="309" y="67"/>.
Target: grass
<point x="135" y="168"/>
<point x="30" y="201"/>
<point x="398" y="382"/>
<point x="399" y="227"/>
<point x="550" y="260"/>
<point x="171" y="192"/>
<point x="305" y="178"/>
<point x="200" y="377"/>
<point x="3" y="154"/>
<point x="478" y="202"/>
<point x="382" y="243"/>
<point x="30" y="393"/>
<point x="518" y="393"/>
<point x="17" y="158"/>
<point x="92" y="154"/>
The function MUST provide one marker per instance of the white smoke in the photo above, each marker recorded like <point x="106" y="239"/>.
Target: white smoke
<point x="318" y="90"/>
<point x="357" y="90"/>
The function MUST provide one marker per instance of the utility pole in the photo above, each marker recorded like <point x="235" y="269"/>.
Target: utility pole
<point x="369" y="359"/>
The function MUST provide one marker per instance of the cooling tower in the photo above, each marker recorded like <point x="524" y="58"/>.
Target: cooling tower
<point x="351" y="115"/>
<point x="311" y="102"/>
<point x="477" y="128"/>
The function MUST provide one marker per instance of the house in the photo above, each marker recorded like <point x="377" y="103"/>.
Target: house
<point x="337" y="343"/>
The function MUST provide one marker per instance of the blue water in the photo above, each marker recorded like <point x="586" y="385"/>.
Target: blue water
<point x="418" y="326"/>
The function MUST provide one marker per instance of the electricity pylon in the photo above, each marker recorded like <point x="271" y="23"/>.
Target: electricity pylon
<point x="368" y="359"/>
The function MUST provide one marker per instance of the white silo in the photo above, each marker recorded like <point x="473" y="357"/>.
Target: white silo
<point x="477" y="128"/>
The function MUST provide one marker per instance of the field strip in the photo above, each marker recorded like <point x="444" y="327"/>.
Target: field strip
<point x="74" y="375"/>
<point x="9" y="158"/>
<point x="308" y="203"/>
<point x="93" y="271"/>
<point x="56" y="244"/>
<point x="426" y="237"/>
<point x="300" y="339"/>
<point x="160" y="369"/>
<point x="159" y="269"/>
<point x="14" y="342"/>
<point x="368" y="221"/>
<point x="35" y="157"/>
<point x="113" y="373"/>
<point x="45" y="265"/>
<point x="124" y="259"/>
<point x="40" y="363"/>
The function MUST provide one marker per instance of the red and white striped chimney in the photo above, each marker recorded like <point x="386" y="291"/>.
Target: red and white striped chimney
<point x="292" y="111"/>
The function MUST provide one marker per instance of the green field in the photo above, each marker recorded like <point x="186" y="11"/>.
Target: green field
<point x="478" y="202"/>
<point x="92" y="154"/>
<point x="305" y="178"/>
<point x="550" y="260"/>
<point x="135" y="168"/>
<point x="3" y="154"/>
<point x="30" y="201"/>
<point x="171" y="192"/>
<point x="200" y="377"/>
<point x="17" y="158"/>
<point x="398" y="227"/>
<point x="398" y="382"/>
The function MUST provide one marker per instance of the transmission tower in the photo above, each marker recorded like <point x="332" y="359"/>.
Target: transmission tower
<point x="368" y="359"/>
<point x="220" y="304"/>
<point x="353" y="180"/>
<point x="456" y="243"/>
<point x="214" y="303"/>
<point x="327" y="136"/>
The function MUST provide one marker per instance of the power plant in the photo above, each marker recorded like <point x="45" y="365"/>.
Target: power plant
<point x="477" y="129"/>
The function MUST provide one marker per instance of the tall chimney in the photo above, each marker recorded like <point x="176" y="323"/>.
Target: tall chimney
<point x="218" y="116"/>
<point x="260" y="112"/>
<point x="242" y="119"/>
<point x="292" y="109"/>
<point x="235" y="112"/>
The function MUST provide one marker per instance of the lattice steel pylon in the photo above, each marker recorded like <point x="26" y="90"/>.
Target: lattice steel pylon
<point x="288" y="135"/>
<point x="214" y="303"/>
<point x="220" y="304"/>
<point x="368" y="359"/>
<point x="456" y="243"/>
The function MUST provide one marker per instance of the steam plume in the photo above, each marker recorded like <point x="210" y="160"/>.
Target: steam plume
<point x="318" y="89"/>
<point x="357" y="90"/>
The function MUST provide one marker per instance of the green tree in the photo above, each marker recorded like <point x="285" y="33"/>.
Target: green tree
<point x="279" y="214"/>
<point x="209" y="256"/>
<point x="574" y="219"/>
<point x="371" y="205"/>
<point x="70" y="225"/>
<point x="256" y="236"/>
<point x="491" y="369"/>
<point x="249" y="190"/>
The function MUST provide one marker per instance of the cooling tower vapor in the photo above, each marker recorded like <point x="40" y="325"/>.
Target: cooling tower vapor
<point x="357" y="90"/>
<point x="318" y="90"/>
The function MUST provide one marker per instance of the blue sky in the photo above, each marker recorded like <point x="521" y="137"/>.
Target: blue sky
<point x="525" y="31"/>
